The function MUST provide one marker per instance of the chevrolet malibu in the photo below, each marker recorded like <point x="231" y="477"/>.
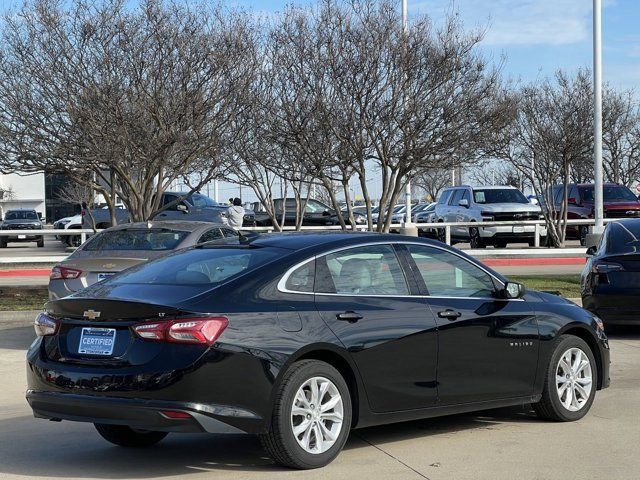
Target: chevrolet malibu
<point x="300" y="338"/>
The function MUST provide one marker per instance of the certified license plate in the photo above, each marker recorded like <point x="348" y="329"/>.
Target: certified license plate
<point x="21" y="237"/>
<point x="518" y="229"/>
<point x="97" y="341"/>
<point x="104" y="276"/>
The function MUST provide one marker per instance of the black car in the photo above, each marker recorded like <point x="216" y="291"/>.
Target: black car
<point x="17" y="226"/>
<point x="316" y="213"/>
<point x="610" y="281"/>
<point x="301" y="337"/>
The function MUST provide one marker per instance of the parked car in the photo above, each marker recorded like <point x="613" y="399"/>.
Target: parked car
<point x="19" y="222"/>
<point x="397" y="215"/>
<point x="195" y="207"/>
<point x="619" y="202"/>
<point x="610" y="280"/>
<point x="316" y="213"/>
<point x="300" y="337"/>
<point x="488" y="203"/>
<point x="120" y="247"/>
<point x="427" y="215"/>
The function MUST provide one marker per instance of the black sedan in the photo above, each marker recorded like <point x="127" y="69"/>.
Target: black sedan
<point x="301" y="337"/>
<point x="610" y="281"/>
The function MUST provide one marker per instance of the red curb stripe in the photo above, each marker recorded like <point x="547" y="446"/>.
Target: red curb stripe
<point x="515" y="262"/>
<point x="34" y="272"/>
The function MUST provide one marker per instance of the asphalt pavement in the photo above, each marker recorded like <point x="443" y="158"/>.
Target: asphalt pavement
<point x="499" y="444"/>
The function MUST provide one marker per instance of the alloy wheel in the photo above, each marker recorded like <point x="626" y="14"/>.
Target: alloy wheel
<point x="574" y="379"/>
<point x="317" y="414"/>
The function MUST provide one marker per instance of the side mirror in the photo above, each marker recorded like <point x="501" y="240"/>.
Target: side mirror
<point x="326" y="213"/>
<point x="182" y="208"/>
<point x="513" y="290"/>
<point x="464" y="203"/>
<point x="592" y="250"/>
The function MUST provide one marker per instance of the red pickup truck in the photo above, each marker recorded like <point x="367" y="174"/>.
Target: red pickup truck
<point x="619" y="202"/>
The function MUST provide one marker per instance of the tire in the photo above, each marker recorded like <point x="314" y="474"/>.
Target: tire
<point x="3" y="243"/>
<point x="441" y="235"/>
<point x="582" y="235"/>
<point x="552" y="406"/>
<point x="475" y="240"/>
<point x="41" y="242"/>
<point x="124" y="436"/>
<point x="500" y="244"/>
<point x="532" y="243"/>
<point x="280" y="442"/>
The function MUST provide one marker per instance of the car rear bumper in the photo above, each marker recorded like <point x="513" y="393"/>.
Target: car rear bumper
<point x="137" y="413"/>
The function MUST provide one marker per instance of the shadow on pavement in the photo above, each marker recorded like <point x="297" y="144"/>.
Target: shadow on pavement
<point x="17" y="338"/>
<point x="625" y="332"/>
<point x="78" y="451"/>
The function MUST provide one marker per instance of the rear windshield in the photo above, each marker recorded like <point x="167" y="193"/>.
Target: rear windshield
<point x="623" y="238"/>
<point x="496" y="195"/>
<point x="611" y="193"/>
<point x="143" y="239"/>
<point x="203" y="267"/>
<point x="21" y="216"/>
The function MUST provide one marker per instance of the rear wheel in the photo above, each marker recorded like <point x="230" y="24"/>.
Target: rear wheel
<point x="570" y="382"/>
<point x="129" y="437"/>
<point x="584" y="230"/>
<point x="311" y="417"/>
<point x="500" y="244"/>
<point x="41" y="242"/>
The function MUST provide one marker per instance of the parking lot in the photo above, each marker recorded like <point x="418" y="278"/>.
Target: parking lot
<point x="499" y="444"/>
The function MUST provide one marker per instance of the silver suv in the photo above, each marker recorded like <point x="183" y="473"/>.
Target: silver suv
<point x="495" y="203"/>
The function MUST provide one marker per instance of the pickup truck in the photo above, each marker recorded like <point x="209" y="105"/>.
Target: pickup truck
<point x="195" y="207"/>
<point x="316" y="213"/>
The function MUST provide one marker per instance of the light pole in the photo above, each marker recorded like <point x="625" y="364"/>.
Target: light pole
<point x="597" y="115"/>
<point x="409" y="229"/>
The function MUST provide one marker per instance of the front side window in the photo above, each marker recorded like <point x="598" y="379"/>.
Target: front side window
<point x="369" y="270"/>
<point x="448" y="275"/>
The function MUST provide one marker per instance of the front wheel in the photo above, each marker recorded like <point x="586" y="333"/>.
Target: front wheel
<point x="128" y="437"/>
<point x="475" y="240"/>
<point x="570" y="383"/>
<point x="311" y="417"/>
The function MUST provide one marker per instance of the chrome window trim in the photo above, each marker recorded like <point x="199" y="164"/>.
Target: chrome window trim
<point x="283" y="281"/>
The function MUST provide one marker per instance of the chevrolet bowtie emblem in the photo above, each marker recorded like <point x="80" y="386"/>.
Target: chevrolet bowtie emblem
<point x="108" y="265"/>
<point x="91" y="314"/>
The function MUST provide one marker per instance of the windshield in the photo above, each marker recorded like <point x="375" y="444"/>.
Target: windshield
<point x="21" y="215"/>
<point x="199" y="200"/>
<point x="611" y="193"/>
<point x="142" y="239"/>
<point x="202" y="267"/>
<point x="399" y="208"/>
<point x="499" y="195"/>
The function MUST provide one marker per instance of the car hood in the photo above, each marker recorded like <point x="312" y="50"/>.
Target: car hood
<point x="509" y="207"/>
<point x="622" y="205"/>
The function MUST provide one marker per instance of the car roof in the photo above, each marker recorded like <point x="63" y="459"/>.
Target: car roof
<point x="185" y="225"/>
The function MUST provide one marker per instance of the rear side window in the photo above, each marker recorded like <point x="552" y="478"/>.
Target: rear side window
<point x="302" y="278"/>
<point x="143" y="239"/>
<point x="210" y="235"/>
<point x="371" y="270"/>
<point x="205" y="267"/>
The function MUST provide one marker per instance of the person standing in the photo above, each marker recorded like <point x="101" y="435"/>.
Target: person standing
<point x="235" y="214"/>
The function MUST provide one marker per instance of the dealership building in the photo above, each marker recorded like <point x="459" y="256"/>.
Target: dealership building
<point x="37" y="191"/>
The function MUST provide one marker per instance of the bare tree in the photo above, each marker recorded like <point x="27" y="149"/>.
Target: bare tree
<point x="7" y="193"/>
<point x="551" y="135"/>
<point x="139" y="96"/>
<point x="433" y="181"/>
<point x="79" y="194"/>
<point x="497" y="172"/>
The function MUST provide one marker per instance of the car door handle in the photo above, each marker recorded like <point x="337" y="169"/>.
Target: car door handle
<point x="450" y="314"/>
<point x="351" y="317"/>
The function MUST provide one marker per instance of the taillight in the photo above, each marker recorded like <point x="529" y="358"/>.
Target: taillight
<point x="44" y="325"/>
<point x="64" y="273"/>
<point x="204" y="331"/>
<point x="606" y="267"/>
